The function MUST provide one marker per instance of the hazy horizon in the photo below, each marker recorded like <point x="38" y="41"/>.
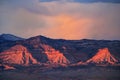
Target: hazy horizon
<point x="56" y="38"/>
<point x="61" y="19"/>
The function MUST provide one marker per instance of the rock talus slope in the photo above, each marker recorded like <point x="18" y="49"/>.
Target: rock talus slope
<point x="103" y="56"/>
<point x="17" y="54"/>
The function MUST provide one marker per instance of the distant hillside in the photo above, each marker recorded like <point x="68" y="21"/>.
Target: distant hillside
<point x="9" y="37"/>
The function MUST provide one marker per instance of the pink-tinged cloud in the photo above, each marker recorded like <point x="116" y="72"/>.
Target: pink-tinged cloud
<point x="68" y="27"/>
<point x="62" y="20"/>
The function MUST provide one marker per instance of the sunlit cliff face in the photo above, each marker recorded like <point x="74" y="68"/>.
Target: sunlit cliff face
<point x="103" y="56"/>
<point x="17" y="54"/>
<point x="54" y="56"/>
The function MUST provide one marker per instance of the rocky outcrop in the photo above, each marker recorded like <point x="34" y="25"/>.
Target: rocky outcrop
<point x="103" y="56"/>
<point x="54" y="56"/>
<point x="17" y="54"/>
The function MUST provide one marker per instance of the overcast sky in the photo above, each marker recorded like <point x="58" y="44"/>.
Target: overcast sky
<point x="67" y="19"/>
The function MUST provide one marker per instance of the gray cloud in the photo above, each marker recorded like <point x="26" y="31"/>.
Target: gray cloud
<point x="30" y="5"/>
<point x="85" y="1"/>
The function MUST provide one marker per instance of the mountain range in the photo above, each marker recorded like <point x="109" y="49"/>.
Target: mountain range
<point x="44" y="50"/>
<point x="9" y="37"/>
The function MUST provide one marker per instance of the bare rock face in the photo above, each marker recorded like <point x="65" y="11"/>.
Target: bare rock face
<point x="17" y="54"/>
<point x="103" y="56"/>
<point x="54" y="56"/>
